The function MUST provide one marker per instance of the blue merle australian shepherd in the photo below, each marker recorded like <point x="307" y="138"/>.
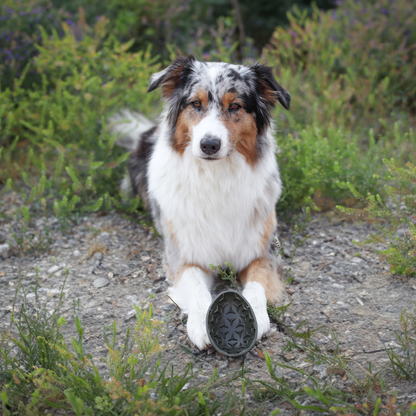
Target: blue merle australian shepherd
<point x="209" y="175"/>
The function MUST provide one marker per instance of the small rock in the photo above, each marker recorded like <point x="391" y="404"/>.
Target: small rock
<point x="131" y="314"/>
<point x="100" y="282"/>
<point x="3" y="237"/>
<point x="4" y="250"/>
<point x="338" y="286"/>
<point x="77" y="253"/>
<point x="169" y="307"/>
<point x="98" y="256"/>
<point x="54" y="269"/>
<point x="132" y="298"/>
<point x="356" y="260"/>
<point x="53" y="292"/>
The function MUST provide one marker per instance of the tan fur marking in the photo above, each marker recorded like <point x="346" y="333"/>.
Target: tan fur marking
<point x="171" y="82"/>
<point x="203" y="97"/>
<point x="267" y="93"/>
<point x="269" y="227"/>
<point x="265" y="272"/>
<point x="182" y="136"/>
<point x="185" y="267"/>
<point x="242" y="128"/>
<point x="186" y="120"/>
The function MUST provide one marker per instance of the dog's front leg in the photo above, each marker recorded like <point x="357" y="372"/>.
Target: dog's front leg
<point x="262" y="282"/>
<point x="192" y="293"/>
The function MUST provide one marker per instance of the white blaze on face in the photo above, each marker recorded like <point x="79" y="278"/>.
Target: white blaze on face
<point x="212" y="126"/>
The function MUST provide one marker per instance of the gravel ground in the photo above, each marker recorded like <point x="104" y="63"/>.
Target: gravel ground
<point x="114" y="263"/>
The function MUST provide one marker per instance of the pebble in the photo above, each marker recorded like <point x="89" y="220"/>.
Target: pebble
<point x="132" y="298"/>
<point x="77" y="253"/>
<point x="168" y="307"/>
<point x="131" y="314"/>
<point x="53" y="269"/>
<point x="100" y="282"/>
<point x="2" y="237"/>
<point x="4" y="250"/>
<point x="98" y="256"/>
<point x="53" y="292"/>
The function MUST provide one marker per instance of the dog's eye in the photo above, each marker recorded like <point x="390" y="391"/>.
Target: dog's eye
<point x="235" y="106"/>
<point x="196" y="103"/>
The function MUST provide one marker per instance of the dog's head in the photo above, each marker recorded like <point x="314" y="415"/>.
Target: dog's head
<point x="218" y="108"/>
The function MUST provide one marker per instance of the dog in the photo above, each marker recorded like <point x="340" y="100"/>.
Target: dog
<point x="209" y="175"/>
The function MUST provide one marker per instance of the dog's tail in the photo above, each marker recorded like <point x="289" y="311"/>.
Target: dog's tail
<point x="129" y="126"/>
<point x="137" y="134"/>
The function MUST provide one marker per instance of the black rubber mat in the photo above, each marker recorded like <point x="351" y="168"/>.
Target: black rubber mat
<point x="231" y="324"/>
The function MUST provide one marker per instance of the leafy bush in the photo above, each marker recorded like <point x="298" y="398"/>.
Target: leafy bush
<point x="351" y="66"/>
<point x="55" y="136"/>
<point x="349" y="72"/>
<point x="316" y="160"/>
<point x="395" y="219"/>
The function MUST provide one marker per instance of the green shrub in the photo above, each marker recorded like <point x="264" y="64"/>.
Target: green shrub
<point x="395" y="218"/>
<point x="351" y="67"/>
<point x="315" y="161"/>
<point x="54" y="136"/>
<point x="350" y="75"/>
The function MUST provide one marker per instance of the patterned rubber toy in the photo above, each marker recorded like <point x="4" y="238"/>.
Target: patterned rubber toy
<point x="231" y="324"/>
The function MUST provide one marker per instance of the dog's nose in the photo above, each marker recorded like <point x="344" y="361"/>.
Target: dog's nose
<point x="210" y="145"/>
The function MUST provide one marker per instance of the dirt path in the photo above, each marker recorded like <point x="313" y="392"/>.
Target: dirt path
<point x="114" y="264"/>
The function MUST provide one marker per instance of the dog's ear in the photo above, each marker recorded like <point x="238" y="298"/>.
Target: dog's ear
<point x="173" y="76"/>
<point x="269" y="88"/>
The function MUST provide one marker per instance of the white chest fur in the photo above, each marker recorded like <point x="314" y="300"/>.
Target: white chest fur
<point x="210" y="206"/>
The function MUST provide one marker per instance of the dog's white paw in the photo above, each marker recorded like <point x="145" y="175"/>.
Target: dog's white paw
<point x="263" y="321"/>
<point x="256" y="297"/>
<point x="197" y="329"/>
